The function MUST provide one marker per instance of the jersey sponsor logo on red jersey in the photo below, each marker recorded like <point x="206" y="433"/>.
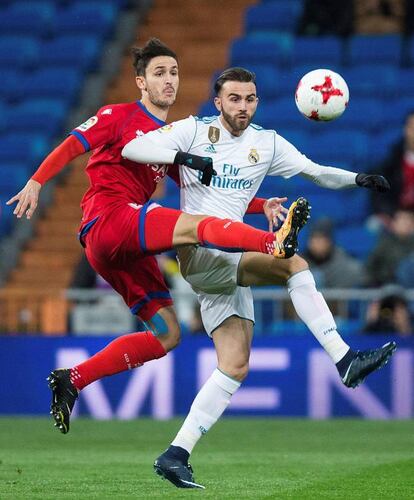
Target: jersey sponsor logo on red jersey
<point x="161" y="171"/>
<point x="93" y="120"/>
<point x="107" y="111"/>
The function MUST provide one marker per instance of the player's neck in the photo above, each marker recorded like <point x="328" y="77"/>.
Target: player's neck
<point x="160" y="112"/>
<point x="236" y="133"/>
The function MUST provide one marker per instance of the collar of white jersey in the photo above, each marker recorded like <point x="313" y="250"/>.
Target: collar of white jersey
<point x="228" y="134"/>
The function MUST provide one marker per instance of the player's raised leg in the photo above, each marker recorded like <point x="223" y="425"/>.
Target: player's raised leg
<point x="225" y="234"/>
<point x="232" y="340"/>
<point x="260" y="270"/>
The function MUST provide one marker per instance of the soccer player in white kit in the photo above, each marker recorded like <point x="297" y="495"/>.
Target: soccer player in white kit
<point x="243" y="154"/>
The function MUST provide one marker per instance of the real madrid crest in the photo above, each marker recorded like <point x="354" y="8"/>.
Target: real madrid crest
<point x="253" y="156"/>
<point x="213" y="134"/>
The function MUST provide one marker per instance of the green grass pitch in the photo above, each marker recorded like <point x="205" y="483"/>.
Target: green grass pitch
<point x="238" y="459"/>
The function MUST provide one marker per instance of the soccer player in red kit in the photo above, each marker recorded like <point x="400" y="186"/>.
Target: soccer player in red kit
<point x="121" y="228"/>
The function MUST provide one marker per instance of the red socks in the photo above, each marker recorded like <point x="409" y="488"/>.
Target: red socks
<point x="123" y="353"/>
<point x="233" y="236"/>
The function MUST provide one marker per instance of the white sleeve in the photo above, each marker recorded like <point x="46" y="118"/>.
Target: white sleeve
<point x="161" y="145"/>
<point x="329" y="177"/>
<point x="287" y="160"/>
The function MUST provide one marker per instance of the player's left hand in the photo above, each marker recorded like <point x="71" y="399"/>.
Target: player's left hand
<point x="27" y="199"/>
<point x="202" y="163"/>
<point x="373" y="181"/>
<point x="274" y="211"/>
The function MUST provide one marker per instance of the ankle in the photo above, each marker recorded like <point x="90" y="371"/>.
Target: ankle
<point x="178" y="453"/>
<point x="343" y="364"/>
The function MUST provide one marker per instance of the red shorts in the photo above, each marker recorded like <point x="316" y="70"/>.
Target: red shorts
<point x="119" y="243"/>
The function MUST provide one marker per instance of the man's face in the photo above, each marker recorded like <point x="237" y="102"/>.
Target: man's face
<point x="160" y="81"/>
<point x="237" y="103"/>
<point x="403" y="223"/>
<point x="320" y="245"/>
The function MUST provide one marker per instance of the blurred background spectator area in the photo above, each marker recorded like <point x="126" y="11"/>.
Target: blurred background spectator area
<point x="61" y="60"/>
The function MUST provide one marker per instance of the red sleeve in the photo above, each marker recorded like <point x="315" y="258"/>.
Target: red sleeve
<point x="256" y="206"/>
<point x="102" y="128"/>
<point x="69" y="149"/>
<point x="174" y="173"/>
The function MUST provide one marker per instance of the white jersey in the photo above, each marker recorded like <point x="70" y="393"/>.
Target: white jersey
<point x="241" y="163"/>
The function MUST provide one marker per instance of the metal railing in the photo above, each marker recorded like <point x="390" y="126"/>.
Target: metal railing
<point x="58" y="312"/>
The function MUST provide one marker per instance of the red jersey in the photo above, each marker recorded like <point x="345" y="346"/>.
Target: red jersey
<point x="113" y="179"/>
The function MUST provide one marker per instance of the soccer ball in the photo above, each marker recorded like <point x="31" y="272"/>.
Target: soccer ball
<point x="322" y="95"/>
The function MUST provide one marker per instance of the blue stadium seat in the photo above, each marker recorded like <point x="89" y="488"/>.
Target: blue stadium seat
<point x="9" y="81"/>
<point x="207" y="109"/>
<point x="369" y="80"/>
<point x="405" y="87"/>
<point x="411" y="51"/>
<point x="257" y="50"/>
<point x="356" y="240"/>
<point x="81" y="51"/>
<point x="25" y="18"/>
<point x="88" y="17"/>
<point x="273" y="16"/>
<point x="366" y="49"/>
<point x="6" y="216"/>
<point x="381" y="146"/>
<point x="349" y="147"/>
<point x="13" y="177"/>
<point x="46" y="115"/>
<point x="319" y="52"/>
<point x="23" y="148"/>
<point x="361" y="114"/>
<point x="51" y="82"/>
<point x="396" y="111"/>
<point x="344" y="207"/>
<point x="267" y="80"/>
<point x="278" y="113"/>
<point x="18" y="52"/>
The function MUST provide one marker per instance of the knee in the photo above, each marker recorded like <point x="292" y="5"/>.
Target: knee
<point x="172" y="338"/>
<point x="296" y="264"/>
<point x="238" y="371"/>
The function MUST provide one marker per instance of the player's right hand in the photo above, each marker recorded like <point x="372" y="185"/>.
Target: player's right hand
<point x="202" y="163"/>
<point x="26" y="199"/>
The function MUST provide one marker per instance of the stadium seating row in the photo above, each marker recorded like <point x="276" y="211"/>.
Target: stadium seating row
<point x="46" y="18"/>
<point x="46" y="49"/>
<point x="286" y="50"/>
<point x="26" y="53"/>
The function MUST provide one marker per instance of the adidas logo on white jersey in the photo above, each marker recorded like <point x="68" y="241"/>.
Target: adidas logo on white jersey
<point x="210" y="149"/>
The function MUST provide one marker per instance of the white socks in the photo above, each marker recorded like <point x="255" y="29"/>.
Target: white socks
<point x="314" y="312"/>
<point x="208" y="406"/>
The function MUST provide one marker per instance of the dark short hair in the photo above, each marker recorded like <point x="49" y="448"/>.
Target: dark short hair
<point x="143" y="55"/>
<point x="234" y="75"/>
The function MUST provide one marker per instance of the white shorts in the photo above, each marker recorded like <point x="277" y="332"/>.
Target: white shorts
<point x="212" y="275"/>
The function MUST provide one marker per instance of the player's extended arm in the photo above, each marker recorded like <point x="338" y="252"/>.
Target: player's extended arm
<point x="28" y="197"/>
<point x="143" y="150"/>
<point x="337" y="178"/>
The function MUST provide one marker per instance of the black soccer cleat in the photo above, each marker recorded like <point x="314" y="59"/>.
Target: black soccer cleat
<point x="286" y="238"/>
<point x="64" y="395"/>
<point x="180" y="474"/>
<point x="365" y="362"/>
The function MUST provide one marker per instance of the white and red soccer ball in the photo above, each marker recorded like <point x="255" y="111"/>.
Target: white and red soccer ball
<point x="322" y="95"/>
